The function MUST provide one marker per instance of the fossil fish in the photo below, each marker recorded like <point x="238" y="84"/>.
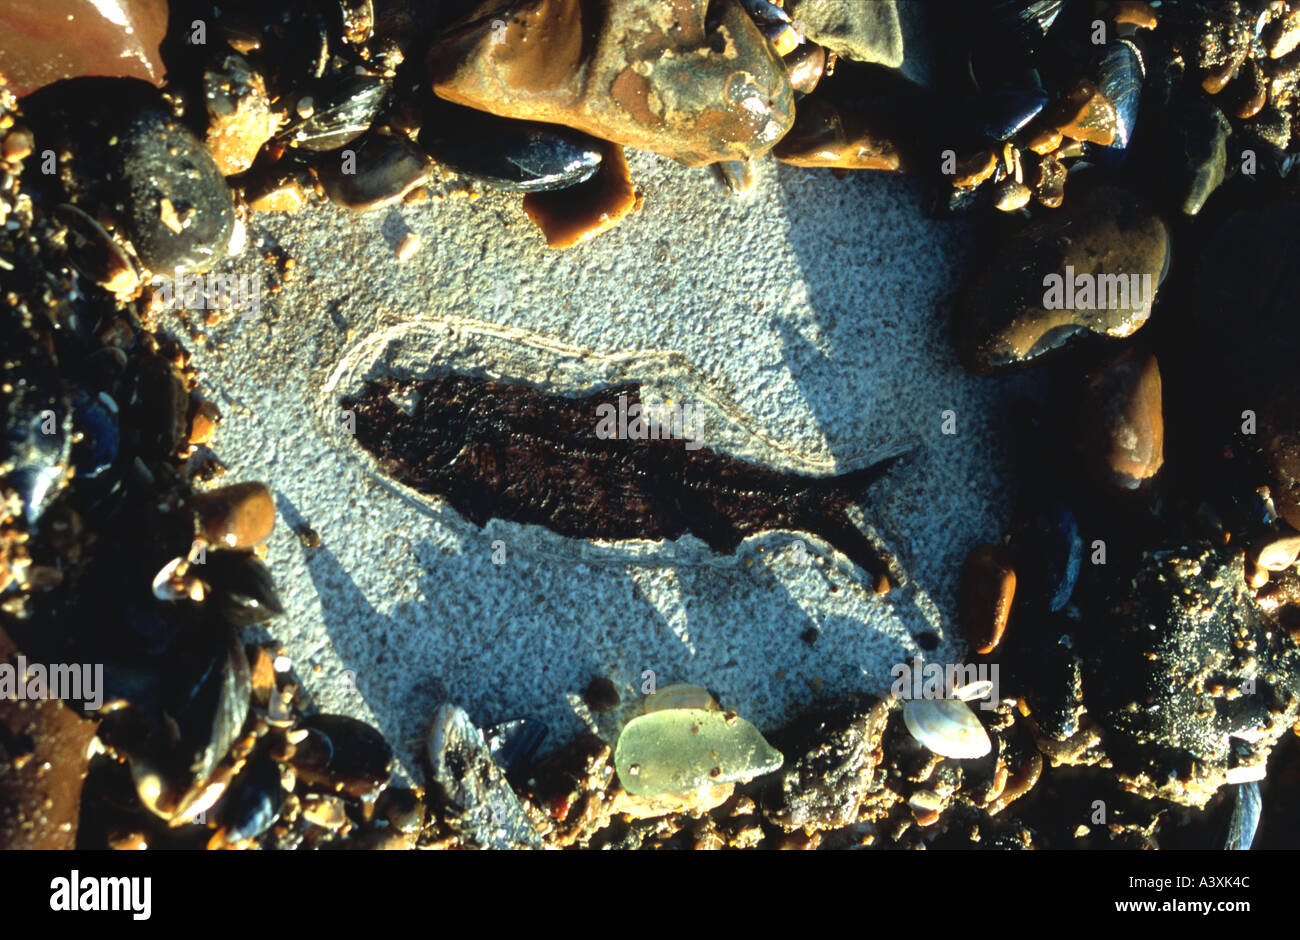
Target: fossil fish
<point x="496" y="450"/>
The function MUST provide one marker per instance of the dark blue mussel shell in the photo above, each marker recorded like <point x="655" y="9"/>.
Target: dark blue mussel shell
<point x="1120" y="77"/>
<point x="1000" y="114"/>
<point x="521" y="156"/>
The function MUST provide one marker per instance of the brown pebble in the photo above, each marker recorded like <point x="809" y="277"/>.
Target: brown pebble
<point x="1217" y="79"/>
<point x="206" y="418"/>
<point x="43" y="764"/>
<point x="1049" y="182"/>
<point x="1123" y="429"/>
<point x="1087" y="114"/>
<point x="1010" y="195"/>
<point x="578" y="213"/>
<point x="988" y="588"/>
<point x="807" y="65"/>
<point x="1256" y="577"/>
<point x="601" y="695"/>
<point x="975" y="169"/>
<point x="1251" y="91"/>
<point x="18" y="145"/>
<point x="1279" y="554"/>
<point x="1045" y="141"/>
<point x="1135" y="13"/>
<point x="238" y="516"/>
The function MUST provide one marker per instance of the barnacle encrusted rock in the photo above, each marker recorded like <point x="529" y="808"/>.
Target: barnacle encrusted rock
<point x="1196" y="684"/>
<point x="643" y="73"/>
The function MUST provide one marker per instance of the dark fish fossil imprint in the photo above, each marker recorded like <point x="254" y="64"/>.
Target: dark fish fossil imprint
<point x="511" y="452"/>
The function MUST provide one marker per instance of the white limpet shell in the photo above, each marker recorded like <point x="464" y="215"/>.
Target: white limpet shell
<point x="947" y="726"/>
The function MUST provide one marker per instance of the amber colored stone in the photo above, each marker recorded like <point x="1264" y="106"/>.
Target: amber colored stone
<point x="1087" y="114"/>
<point x="204" y="423"/>
<point x="1045" y="141"/>
<point x="1136" y="13"/>
<point x="569" y="216"/>
<point x="1123" y="430"/>
<point x="988" y="588"/>
<point x="644" y="73"/>
<point x="1011" y="195"/>
<point x="829" y="134"/>
<point x="238" y="516"/>
<point x="43" y="764"/>
<point x="807" y="65"/>
<point x="975" y="169"/>
<point x="1048" y="182"/>
<point x="47" y="41"/>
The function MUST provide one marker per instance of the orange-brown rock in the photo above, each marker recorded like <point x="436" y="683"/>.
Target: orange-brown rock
<point x="1123" y="431"/>
<point x="44" y="42"/>
<point x="241" y="515"/>
<point x="569" y="216"/>
<point x="43" y="764"/>
<point x="988" y="588"/>
<point x="644" y="73"/>
<point x="839" y="135"/>
<point x="1087" y="114"/>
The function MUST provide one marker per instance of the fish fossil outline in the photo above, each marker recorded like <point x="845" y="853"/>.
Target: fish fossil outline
<point x="509" y="451"/>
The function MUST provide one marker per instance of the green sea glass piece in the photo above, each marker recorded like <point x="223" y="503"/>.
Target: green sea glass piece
<point x="682" y="749"/>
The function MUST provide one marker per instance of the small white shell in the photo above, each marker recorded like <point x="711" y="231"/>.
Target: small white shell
<point x="947" y="726"/>
<point x="975" y="690"/>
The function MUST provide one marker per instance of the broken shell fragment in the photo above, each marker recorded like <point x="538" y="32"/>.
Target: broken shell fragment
<point x="682" y="749"/>
<point x="948" y="727"/>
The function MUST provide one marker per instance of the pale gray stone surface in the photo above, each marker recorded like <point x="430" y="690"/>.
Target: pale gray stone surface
<point x="809" y="323"/>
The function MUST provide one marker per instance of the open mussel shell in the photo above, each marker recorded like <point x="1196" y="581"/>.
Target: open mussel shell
<point x="478" y="802"/>
<point x="947" y="727"/>
<point x="512" y="744"/>
<point x="343" y="108"/>
<point x="1120" y="76"/>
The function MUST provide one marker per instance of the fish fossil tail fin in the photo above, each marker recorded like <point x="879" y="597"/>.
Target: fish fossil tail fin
<point x="858" y="481"/>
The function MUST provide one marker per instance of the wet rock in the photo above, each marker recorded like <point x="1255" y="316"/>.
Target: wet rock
<point x="174" y="203"/>
<point x="1058" y="277"/>
<point x="1278" y="554"/>
<point x="1087" y="114"/>
<point x="837" y="747"/>
<point x="238" y="516"/>
<point x="807" y="65"/>
<point x="383" y="170"/>
<point x="1200" y="140"/>
<point x="476" y="801"/>
<point x="682" y="749"/>
<point x="865" y="32"/>
<point x="1122" y="425"/>
<point x="46" y="42"/>
<point x="43" y="765"/>
<point x="839" y="134"/>
<point x="240" y="119"/>
<point x="573" y="215"/>
<point x="988" y="587"/>
<point x="522" y="156"/>
<point x="33" y="463"/>
<point x="637" y="73"/>
<point x="1194" y="687"/>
